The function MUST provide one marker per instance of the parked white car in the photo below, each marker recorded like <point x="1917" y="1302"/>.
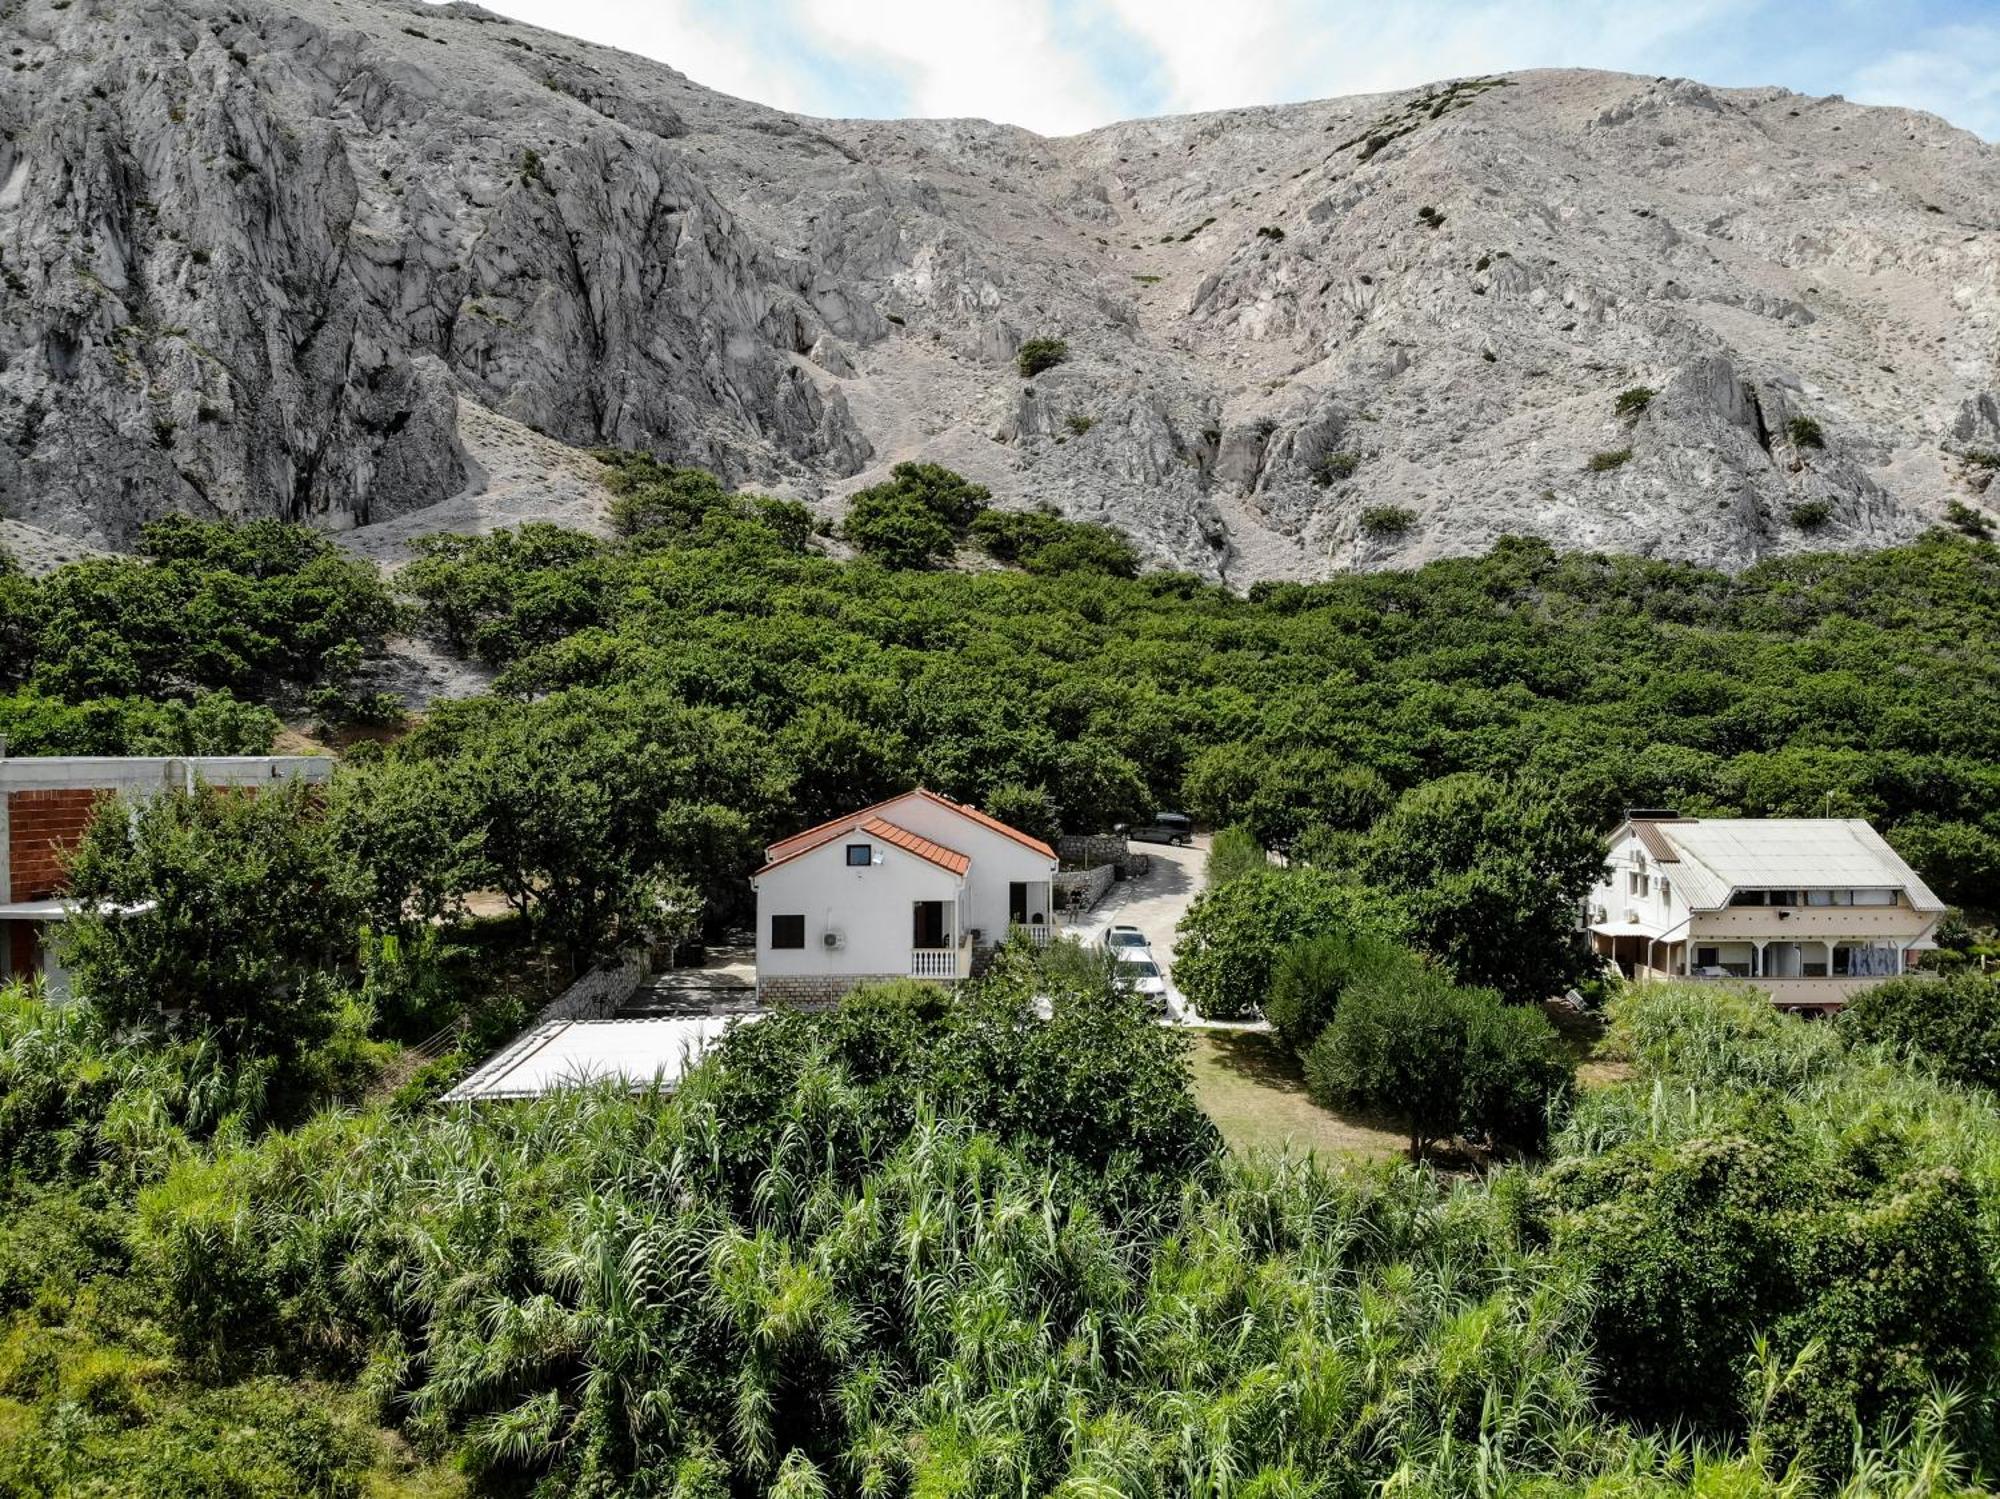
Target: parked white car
<point x="1124" y="939"/>
<point x="1138" y="971"/>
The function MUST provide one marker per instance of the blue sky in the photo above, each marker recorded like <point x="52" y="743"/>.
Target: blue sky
<point x="1063" y="65"/>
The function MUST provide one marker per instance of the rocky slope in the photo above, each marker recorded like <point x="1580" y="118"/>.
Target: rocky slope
<point x="344" y="259"/>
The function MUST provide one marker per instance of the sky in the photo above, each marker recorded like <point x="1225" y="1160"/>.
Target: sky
<point x="1059" y="66"/>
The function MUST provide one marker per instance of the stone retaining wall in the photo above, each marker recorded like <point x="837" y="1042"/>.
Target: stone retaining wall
<point x="1088" y="850"/>
<point x="1092" y="882"/>
<point x="599" y="993"/>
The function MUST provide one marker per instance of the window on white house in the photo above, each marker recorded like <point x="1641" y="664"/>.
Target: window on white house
<point x="788" y="931"/>
<point x="1707" y="957"/>
<point x="1636" y="883"/>
<point x="1666" y="892"/>
<point x="860" y="854"/>
<point x="1875" y="897"/>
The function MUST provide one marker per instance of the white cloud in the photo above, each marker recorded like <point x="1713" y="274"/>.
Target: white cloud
<point x="1000" y="60"/>
<point x="1268" y="51"/>
<point x="1953" y="71"/>
<point x="733" y="55"/>
<point x="1064" y="65"/>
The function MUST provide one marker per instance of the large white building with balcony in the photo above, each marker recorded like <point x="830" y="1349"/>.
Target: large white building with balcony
<point x="911" y="887"/>
<point x="1810" y="909"/>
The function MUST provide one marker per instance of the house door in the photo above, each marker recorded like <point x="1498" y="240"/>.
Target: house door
<point x="1017" y="902"/>
<point x="927" y="929"/>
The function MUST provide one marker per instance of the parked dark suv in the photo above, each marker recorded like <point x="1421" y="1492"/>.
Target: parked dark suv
<point x="1166" y="827"/>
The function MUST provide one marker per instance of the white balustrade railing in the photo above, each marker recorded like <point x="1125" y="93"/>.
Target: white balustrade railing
<point x="933" y="962"/>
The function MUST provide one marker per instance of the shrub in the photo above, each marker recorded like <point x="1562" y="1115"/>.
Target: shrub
<point x="1231" y="936"/>
<point x="1950" y="1024"/>
<point x="1810" y="515"/>
<point x="1046" y="544"/>
<point x="1078" y="423"/>
<point x="1429" y="217"/>
<point x="1487" y="878"/>
<point x="913" y="518"/>
<point x="791" y="521"/>
<point x="1312" y="974"/>
<point x="1039" y="354"/>
<point x="246" y="907"/>
<point x="1634" y="401"/>
<point x="1028" y="808"/>
<point x="1804" y="432"/>
<point x="1232" y="854"/>
<point x="654" y="497"/>
<point x="1387" y="520"/>
<point x="1968" y="521"/>
<point x="1270" y="232"/>
<point x="1403" y="1040"/>
<point x="1603" y="463"/>
<point x="1336" y="466"/>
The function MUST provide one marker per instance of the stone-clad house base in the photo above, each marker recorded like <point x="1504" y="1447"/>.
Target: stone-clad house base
<point x="797" y="991"/>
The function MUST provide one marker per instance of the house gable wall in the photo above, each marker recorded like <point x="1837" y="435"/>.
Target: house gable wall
<point x="997" y="860"/>
<point x="869" y="906"/>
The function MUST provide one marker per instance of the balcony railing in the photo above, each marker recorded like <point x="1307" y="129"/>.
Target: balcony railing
<point x="933" y="962"/>
<point x="1038" y="932"/>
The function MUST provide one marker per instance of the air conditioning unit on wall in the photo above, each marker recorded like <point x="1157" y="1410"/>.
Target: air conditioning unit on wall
<point x="832" y="941"/>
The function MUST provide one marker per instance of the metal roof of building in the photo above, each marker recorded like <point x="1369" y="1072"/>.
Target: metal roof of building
<point x="570" y="1053"/>
<point x="1718" y="855"/>
<point x="116" y="772"/>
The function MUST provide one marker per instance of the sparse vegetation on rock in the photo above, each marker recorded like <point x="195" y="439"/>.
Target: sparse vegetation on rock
<point x="1632" y="402"/>
<point x="1335" y="467"/>
<point x="1810" y="515"/>
<point x="1604" y="463"/>
<point x="1387" y="520"/>
<point x="1039" y="354"/>
<point x="1972" y="522"/>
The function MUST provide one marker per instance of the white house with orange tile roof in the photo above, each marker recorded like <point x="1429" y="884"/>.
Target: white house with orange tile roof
<point x="907" y="888"/>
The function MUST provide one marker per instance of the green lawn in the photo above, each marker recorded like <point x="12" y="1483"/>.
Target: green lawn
<point x="1255" y="1092"/>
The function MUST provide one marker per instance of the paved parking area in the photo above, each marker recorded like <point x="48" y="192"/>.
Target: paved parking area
<point x="1154" y="903"/>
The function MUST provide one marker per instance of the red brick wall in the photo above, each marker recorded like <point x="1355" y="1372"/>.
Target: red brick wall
<point x="44" y="826"/>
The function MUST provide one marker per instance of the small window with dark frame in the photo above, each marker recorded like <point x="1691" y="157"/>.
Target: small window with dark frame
<point x="788" y="931"/>
<point x="860" y="855"/>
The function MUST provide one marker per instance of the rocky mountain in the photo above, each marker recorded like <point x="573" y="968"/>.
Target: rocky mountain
<point x="369" y="264"/>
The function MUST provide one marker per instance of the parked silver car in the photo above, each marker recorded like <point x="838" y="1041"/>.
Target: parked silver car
<point x="1122" y="939"/>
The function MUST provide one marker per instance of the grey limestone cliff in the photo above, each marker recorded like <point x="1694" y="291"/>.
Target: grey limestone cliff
<point x="264" y="257"/>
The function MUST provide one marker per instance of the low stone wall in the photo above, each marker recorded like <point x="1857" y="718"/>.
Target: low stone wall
<point x="1088" y="850"/>
<point x="814" y="992"/>
<point x="599" y="993"/>
<point x="1091" y="882"/>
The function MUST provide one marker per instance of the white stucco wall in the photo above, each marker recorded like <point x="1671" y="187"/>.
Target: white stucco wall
<point x="997" y="861"/>
<point x="1660" y="908"/>
<point x="870" y="907"/>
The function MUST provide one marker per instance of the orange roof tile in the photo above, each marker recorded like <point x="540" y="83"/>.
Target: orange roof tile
<point x="936" y="853"/>
<point x="813" y="837"/>
<point x="916" y="843"/>
<point x="994" y="823"/>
